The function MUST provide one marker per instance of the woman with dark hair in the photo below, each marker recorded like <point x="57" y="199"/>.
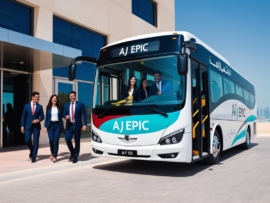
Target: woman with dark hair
<point x="53" y="125"/>
<point x="144" y="90"/>
<point x="131" y="89"/>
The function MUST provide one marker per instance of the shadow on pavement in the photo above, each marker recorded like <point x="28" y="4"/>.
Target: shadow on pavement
<point x="168" y="169"/>
<point x="65" y="156"/>
<point x="234" y="151"/>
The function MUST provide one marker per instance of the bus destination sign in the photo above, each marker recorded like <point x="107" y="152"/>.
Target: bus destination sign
<point x="140" y="48"/>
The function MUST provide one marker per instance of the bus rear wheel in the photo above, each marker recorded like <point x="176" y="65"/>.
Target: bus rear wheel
<point x="246" y="144"/>
<point x="216" y="149"/>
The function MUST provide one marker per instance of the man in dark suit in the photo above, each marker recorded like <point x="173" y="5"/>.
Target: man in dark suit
<point x="160" y="86"/>
<point x="76" y="120"/>
<point x="32" y="115"/>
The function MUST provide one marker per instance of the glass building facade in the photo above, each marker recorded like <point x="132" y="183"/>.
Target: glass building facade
<point x="71" y="35"/>
<point x="16" y="17"/>
<point x="146" y="10"/>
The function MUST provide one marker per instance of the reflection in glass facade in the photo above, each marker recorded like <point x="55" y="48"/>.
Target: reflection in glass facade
<point x="63" y="92"/>
<point x="146" y="10"/>
<point x="74" y="36"/>
<point x="15" y="17"/>
<point x="89" y="42"/>
<point x="85" y="94"/>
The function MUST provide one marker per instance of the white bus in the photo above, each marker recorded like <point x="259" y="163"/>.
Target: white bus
<point x="202" y="107"/>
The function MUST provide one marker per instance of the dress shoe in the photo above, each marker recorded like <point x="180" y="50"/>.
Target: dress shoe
<point x="70" y="159"/>
<point x="33" y="160"/>
<point x="30" y="156"/>
<point x="54" y="160"/>
<point x="74" y="161"/>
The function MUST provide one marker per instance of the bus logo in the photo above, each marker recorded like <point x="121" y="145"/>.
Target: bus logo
<point x="134" y="49"/>
<point x="139" y="48"/>
<point x="127" y="137"/>
<point x="219" y="67"/>
<point x="238" y="111"/>
<point x="130" y="125"/>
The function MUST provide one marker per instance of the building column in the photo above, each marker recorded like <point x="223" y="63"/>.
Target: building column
<point x="43" y="24"/>
<point x="43" y="61"/>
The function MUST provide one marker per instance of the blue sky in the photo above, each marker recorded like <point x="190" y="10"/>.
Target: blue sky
<point x="237" y="29"/>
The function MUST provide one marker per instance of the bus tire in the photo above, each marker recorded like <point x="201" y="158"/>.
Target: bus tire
<point x="246" y="144"/>
<point x="216" y="149"/>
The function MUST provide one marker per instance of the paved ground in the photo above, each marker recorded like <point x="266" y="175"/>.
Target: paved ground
<point x="241" y="176"/>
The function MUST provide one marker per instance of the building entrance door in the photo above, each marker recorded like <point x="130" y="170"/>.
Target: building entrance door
<point x="15" y="93"/>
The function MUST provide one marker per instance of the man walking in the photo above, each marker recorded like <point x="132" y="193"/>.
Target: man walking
<point x="32" y="115"/>
<point x="76" y="120"/>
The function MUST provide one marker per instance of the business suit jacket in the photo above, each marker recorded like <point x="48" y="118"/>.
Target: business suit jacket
<point x="166" y="87"/>
<point x="80" y="115"/>
<point x="27" y="117"/>
<point x="49" y="116"/>
<point x="142" y="93"/>
<point x="134" y="94"/>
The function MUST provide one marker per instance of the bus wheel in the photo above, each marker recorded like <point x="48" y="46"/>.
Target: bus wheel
<point x="216" y="148"/>
<point x="246" y="144"/>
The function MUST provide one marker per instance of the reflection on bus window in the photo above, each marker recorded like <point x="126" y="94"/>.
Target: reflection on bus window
<point x="169" y="90"/>
<point x="216" y="86"/>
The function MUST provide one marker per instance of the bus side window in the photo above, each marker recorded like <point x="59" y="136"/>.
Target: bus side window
<point x="215" y="92"/>
<point x="216" y="86"/>
<point x="124" y="87"/>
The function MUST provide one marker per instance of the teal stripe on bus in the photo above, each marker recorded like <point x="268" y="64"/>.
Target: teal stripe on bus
<point x="239" y="136"/>
<point x="251" y="118"/>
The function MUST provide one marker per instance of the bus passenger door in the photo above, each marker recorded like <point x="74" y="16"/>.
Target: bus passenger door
<point x="200" y="111"/>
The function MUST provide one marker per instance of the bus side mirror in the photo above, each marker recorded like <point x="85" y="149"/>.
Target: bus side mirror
<point x="71" y="72"/>
<point x="191" y="46"/>
<point x="72" y="66"/>
<point x="183" y="64"/>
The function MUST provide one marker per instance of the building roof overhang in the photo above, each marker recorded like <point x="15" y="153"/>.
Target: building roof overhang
<point x="26" y="53"/>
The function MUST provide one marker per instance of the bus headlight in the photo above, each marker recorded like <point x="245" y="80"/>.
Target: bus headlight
<point x="95" y="137"/>
<point x="172" y="138"/>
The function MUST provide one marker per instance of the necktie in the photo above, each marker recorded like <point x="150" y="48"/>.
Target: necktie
<point x="33" y="109"/>
<point x="72" y="112"/>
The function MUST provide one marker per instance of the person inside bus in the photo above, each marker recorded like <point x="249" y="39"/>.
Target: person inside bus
<point x="144" y="90"/>
<point x="9" y="119"/>
<point x="160" y="86"/>
<point x="131" y="89"/>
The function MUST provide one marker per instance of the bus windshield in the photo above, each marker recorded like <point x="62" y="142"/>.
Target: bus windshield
<point x="140" y="85"/>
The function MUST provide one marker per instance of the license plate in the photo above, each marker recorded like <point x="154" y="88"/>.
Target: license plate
<point x="127" y="152"/>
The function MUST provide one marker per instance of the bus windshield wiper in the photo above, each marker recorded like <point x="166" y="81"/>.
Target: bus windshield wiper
<point x="157" y="111"/>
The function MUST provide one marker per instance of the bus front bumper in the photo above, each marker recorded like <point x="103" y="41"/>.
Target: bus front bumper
<point x="171" y="153"/>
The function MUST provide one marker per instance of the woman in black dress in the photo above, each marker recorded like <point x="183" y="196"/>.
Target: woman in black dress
<point x="144" y="91"/>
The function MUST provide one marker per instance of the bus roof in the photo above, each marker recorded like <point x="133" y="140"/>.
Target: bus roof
<point x="187" y="36"/>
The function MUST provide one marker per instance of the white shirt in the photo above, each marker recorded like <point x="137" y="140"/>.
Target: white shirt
<point x="54" y="114"/>
<point x="159" y="86"/>
<point x="70" y="111"/>
<point x="130" y="92"/>
<point x="145" y="91"/>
